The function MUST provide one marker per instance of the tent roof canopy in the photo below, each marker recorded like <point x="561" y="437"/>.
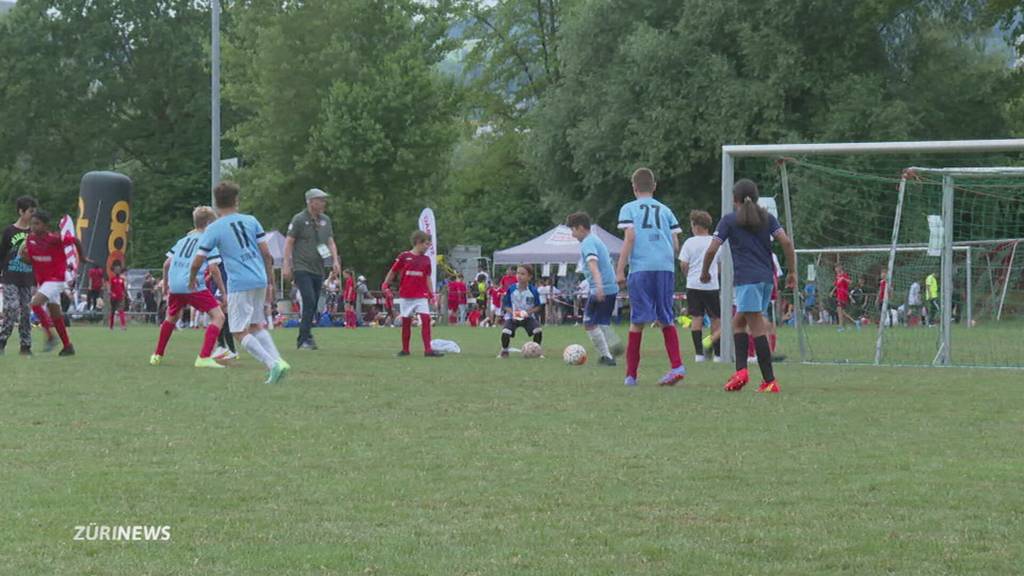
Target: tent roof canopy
<point x="556" y="246"/>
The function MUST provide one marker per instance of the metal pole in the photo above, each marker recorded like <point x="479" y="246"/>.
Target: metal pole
<point x="970" y="280"/>
<point x="797" y="309"/>
<point x="946" y="286"/>
<point x="214" y="96"/>
<point x="889" y="270"/>
<point x="725" y="262"/>
<point x="1006" y="283"/>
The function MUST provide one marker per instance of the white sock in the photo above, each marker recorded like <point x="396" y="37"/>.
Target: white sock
<point x="597" y="337"/>
<point x="610" y="336"/>
<point x="268" y="344"/>
<point x="252" y="346"/>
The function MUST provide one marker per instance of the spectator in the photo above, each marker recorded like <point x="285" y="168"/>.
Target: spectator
<point x="310" y="245"/>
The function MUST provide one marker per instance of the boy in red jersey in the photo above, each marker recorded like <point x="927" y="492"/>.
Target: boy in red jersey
<point x="96" y="278"/>
<point x="457" y="300"/>
<point x="45" y="250"/>
<point x="496" y="294"/>
<point x="118" y="293"/>
<point x="414" y="291"/>
<point x="348" y="295"/>
<point x="841" y="291"/>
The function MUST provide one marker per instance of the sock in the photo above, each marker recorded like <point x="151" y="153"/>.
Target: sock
<point x="120" y="315"/>
<point x="740" y="340"/>
<point x="698" y="342"/>
<point x="633" y="353"/>
<point x="538" y="336"/>
<point x="672" y="345"/>
<point x="424" y="331"/>
<point x="166" y="329"/>
<point x="252" y="346"/>
<point x="505" y="341"/>
<point x="111" y="320"/>
<point x="773" y="339"/>
<point x="764" y="357"/>
<point x="600" y="343"/>
<point x="62" y="331"/>
<point x="717" y="346"/>
<point x="209" y="341"/>
<point x="350" y="319"/>
<point x="267" y="342"/>
<point x="406" y="333"/>
<point x="750" y="343"/>
<point x="610" y="336"/>
<point x="226" y="339"/>
<point x="44" y="320"/>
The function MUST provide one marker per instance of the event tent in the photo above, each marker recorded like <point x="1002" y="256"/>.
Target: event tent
<point x="556" y="246"/>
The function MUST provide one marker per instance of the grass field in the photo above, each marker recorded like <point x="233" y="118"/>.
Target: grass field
<point x="361" y="463"/>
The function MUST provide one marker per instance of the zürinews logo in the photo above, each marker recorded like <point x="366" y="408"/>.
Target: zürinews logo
<point x="94" y="532"/>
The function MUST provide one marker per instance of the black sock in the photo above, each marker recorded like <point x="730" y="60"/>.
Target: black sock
<point x="740" y="341"/>
<point x="225" y="339"/>
<point x="717" y="345"/>
<point x="764" y="357"/>
<point x="537" y="337"/>
<point x="505" y="341"/>
<point x="698" y="345"/>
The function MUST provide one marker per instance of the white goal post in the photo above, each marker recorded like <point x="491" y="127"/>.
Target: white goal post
<point x="730" y="153"/>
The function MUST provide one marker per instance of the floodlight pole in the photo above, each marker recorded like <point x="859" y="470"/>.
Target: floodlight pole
<point x="214" y="96"/>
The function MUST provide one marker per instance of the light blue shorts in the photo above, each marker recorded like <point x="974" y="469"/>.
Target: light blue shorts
<point x="753" y="297"/>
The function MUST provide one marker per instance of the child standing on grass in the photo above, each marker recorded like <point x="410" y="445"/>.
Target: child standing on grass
<point x="414" y="291"/>
<point x="520" y="307"/>
<point x="701" y="298"/>
<point x="597" y="317"/>
<point x="650" y="248"/>
<point x="750" y="231"/>
<point x="118" y="296"/>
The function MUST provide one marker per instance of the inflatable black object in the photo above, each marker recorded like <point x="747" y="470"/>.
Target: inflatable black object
<point x="104" y="217"/>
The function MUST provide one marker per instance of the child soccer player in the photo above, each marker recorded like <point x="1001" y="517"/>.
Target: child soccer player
<point x="118" y="295"/>
<point x="520" y="307"/>
<point x="349" y="296"/>
<point x="841" y="292"/>
<point x="242" y="245"/>
<point x="650" y="252"/>
<point x="496" y="295"/>
<point x="701" y="299"/>
<point x="750" y="230"/>
<point x="176" y="277"/>
<point x="45" y="250"/>
<point x="597" y="317"/>
<point x="414" y="291"/>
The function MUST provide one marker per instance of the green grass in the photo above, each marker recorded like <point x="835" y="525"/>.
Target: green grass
<point x="361" y="463"/>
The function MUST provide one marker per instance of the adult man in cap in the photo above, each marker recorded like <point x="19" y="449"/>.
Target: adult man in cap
<point x="308" y="249"/>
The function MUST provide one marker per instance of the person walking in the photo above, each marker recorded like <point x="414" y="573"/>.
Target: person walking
<point x="308" y="250"/>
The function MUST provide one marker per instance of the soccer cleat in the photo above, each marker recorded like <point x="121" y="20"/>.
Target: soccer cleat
<point x="630" y="381"/>
<point x="737" y="381"/>
<point x="155" y="359"/>
<point x="770" y="387"/>
<point x="205" y="363"/>
<point x="401" y="353"/>
<point x="433" y="354"/>
<point x="503" y="354"/>
<point x="277" y="373"/>
<point x="606" y="361"/>
<point x="699" y="358"/>
<point x="673" y="376"/>
<point x="67" y="351"/>
<point x="25" y="351"/>
<point x="717" y="360"/>
<point x="219" y="352"/>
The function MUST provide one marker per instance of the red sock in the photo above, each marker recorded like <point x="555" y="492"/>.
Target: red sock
<point x="452" y="319"/>
<point x="44" y="320"/>
<point x="209" y="340"/>
<point x="120" y="314"/>
<point x="773" y="340"/>
<point x="62" y="330"/>
<point x="166" y="329"/>
<point x="425" y="331"/>
<point x="406" y="333"/>
<point x="672" y="345"/>
<point x="350" y="319"/>
<point x="633" y="353"/>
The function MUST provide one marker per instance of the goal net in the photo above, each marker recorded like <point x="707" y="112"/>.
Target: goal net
<point x="859" y="209"/>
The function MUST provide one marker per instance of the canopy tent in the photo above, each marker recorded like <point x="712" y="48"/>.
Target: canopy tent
<point x="275" y="242"/>
<point x="556" y="246"/>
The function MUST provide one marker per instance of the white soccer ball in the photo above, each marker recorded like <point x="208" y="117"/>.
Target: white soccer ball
<point x="575" y="355"/>
<point x="532" y="350"/>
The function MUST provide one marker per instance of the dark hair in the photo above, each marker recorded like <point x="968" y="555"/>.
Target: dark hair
<point x="749" y="215"/>
<point x="643" y="181"/>
<point x="225" y="194"/>
<point x="700" y="218"/>
<point x="528" y="268"/>
<point x="25" y="202"/>
<point x="42" y="215"/>
<point x="419" y="236"/>
<point x="578" y="219"/>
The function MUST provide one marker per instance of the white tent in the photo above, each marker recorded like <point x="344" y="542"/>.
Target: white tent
<point x="556" y="246"/>
<point x="275" y="241"/>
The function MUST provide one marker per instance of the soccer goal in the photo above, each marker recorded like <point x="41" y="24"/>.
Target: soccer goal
<point x="942" y="241"/>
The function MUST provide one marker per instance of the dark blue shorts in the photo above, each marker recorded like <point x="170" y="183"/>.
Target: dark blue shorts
<point x="650" y="297"/>
<point x="599" y="313"/>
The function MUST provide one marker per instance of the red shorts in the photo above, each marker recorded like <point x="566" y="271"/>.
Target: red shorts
<point x="842" y="300"/>
<point x="202" y="301"/>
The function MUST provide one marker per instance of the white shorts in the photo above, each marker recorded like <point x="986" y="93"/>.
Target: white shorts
<point x="246" y="308"/>
<point x="411" y="306"/>
<point x="51" y="290"/>
<point x="495" y="310"/>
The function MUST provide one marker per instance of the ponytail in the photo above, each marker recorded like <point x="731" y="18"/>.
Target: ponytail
<point x="749" y="214"/>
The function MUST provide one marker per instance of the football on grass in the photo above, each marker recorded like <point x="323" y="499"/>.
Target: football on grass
<point x="575" y="355"/>
<point x="532" y="350"/>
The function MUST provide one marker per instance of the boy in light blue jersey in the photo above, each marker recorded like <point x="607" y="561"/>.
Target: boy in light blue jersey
<point x="177" y="268"/>
<point x="597" y="268"/>
<point x="243" y="247"/>
<point x="649" y="250"/>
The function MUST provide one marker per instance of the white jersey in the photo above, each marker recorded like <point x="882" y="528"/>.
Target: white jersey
<point x="692" y="253"/>
<point x="914" y="297"/>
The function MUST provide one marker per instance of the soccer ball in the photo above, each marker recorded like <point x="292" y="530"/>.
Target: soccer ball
<point x="575" y="355"/>
<point x="532" y="350"/>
